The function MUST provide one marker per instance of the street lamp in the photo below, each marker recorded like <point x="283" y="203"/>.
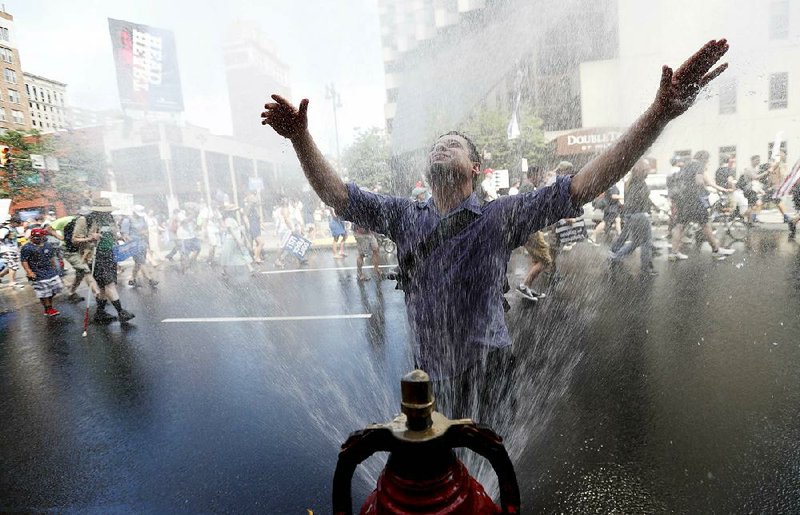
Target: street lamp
<point x="336" y="101"/>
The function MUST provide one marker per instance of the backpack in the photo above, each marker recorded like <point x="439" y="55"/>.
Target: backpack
<point x="69" y="246"/>
<point x="682" y="184"/>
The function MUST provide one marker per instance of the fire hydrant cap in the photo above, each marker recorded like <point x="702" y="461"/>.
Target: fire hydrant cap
<point x="417" y="399"/>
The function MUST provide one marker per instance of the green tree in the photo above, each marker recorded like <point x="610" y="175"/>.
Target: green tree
<point x="20" y="179"/>
<point x="366" y="160"/>
<point x="82" y="167"/>
<point x="487" y="128"/>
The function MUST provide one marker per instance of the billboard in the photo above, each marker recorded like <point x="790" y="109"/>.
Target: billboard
<point x="147" y="67"/>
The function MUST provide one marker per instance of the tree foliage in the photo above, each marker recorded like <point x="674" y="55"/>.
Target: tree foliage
<point x="487" y="128"/>
<point x="366" y="160"/>
<point x="20" y="180"/>
<point x="81" y="167"/>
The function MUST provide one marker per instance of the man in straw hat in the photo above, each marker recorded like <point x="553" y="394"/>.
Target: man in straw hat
<point x="99" y="233"/>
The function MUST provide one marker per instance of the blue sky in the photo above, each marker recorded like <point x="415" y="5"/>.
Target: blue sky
<point x="322" y="40"/>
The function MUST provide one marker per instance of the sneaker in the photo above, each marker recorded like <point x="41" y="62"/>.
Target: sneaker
<point x="527" y="293"/>
<point x="133" y="283"/>
<point x="537" y="294"/>
<point x="124" y="316"/>
<point x="592" y="242"/>
<point x="567" y="247"/>
<point x="153" y="283"/>
<point x="722" y="251"/>
<point x="675" y="256"/>
<point x="19" y="286"/>
<point x="75" y="297"/>
<point x="649" y="272"/>
<point x="51" y="312"/>
<point x="101" y="317"/>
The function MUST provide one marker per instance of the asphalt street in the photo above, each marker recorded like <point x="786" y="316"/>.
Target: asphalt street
<point x="672" y="394"/>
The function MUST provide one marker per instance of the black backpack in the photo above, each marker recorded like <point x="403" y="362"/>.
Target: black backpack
<point x="68" y="230"/>
<point x="683" y="184"/>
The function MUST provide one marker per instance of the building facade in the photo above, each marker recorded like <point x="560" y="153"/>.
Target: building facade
<point x="46" y="103"/>
<point x="161" y="163"/>
<point x="443" y="59"/>
<point x="252" y="69"/>
<point x="743" y="112"/>
<point x="14" y="110"/>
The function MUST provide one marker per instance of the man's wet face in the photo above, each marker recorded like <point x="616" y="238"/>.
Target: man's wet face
<point x="449" y="162"/>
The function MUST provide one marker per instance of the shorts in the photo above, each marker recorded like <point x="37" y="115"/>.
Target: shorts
<point x="105" y="268"/>
<point x="190" y="245"/>
<point x="11" y="258"/>
<point x="692" y="211"/>
<point x="751" y="196"/>
<point x="539" y="249"/>
<point x="337" y="237"/>
<point x="739" y="200"/>
<point x="367" y="244"/>
<point x="609" y="217"/>
<point x="76" y="261"/>
<point x="46" y="288"/>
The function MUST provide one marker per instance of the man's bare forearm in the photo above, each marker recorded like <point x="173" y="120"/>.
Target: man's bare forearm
<point x="610" y="166"/>
<point x="320" y="174"/>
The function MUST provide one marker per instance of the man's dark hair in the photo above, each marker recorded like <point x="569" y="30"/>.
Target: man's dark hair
<point x="702" y="156"/>
<point x="533" y="171"/>
<point x="474" y="155"/>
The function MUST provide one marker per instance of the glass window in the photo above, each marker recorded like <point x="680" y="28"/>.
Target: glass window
<point x="4" y="35"/>
<point x="6" y="55"/>
<point x="17" y="115"/>
<point x="10" y="75"/>
<point x="13" y="96"/>
<point x="779" y="90"/>
<point x="779" y="19"/>
<point x="2" y="114"/>
<point x="727" y="96"/>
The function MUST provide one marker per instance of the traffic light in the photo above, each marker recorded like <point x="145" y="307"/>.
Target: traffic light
<point x="5" y="156"/>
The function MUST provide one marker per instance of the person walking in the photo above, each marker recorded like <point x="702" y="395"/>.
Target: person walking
<point x="76" y="255"/>
<point x="692" y="206"/>
<point x="233" y="251"/>
<point x="253" y="219"/>
<point x="100" y="233"/>
<point x="9" y="250"/>
<point x="637" y="232"/>
<point x="39" y="261"/>
<point x="135" y="231"/>
<point x="339" y="235"/>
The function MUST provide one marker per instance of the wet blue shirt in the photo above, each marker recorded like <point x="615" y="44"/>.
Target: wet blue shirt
<point x="40" y="259"/>
<point x="454" y="299"/>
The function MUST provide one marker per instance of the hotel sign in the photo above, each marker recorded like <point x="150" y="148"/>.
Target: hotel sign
<point x="586" y="141"/>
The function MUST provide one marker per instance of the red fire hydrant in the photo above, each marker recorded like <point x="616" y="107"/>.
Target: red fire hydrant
<point x="423" y="474"/>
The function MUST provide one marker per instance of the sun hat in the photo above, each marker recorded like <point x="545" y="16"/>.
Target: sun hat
<point x="101" y="205"/>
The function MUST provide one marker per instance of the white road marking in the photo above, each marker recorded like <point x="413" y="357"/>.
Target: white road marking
<point x="366" y="269"/>
<point x="262" y="319"/>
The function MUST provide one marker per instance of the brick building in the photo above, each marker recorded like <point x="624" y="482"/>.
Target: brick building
<point x="14" y="111"/>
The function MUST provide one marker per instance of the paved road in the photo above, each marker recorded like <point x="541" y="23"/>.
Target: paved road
<point x="676" y="394"/>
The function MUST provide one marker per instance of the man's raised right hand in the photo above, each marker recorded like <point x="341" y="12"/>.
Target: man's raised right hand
<point x="282" y="116"/>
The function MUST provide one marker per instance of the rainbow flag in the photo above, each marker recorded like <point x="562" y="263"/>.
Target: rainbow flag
<point x="791" y="180"/>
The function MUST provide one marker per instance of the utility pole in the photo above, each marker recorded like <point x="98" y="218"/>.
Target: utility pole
<point x="336" y="101"/>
